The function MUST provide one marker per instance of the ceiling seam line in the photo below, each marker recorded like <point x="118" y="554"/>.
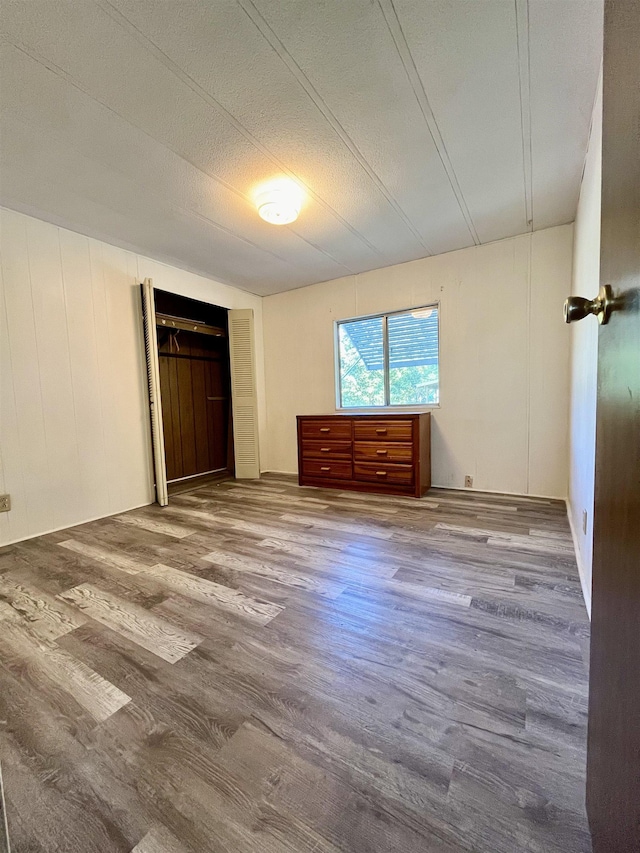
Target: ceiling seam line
<point x="323" y="108"/>
<point x="123" y="245"/>
<point x="397" y="34"/>
<point x="524" y="80"/>
<point x="198" y="90"/>
<point x="186" y="211"/>
<point x="62" y="74"/>
<point x="322" y="251"/>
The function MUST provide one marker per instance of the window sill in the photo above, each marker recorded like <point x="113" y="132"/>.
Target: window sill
<point x="388" y="410"/>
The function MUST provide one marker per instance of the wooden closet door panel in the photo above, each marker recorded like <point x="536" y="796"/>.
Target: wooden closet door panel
<point x="167" y="422"/>
<point x="200" y="415"/>
<point x="187" y="424"/>
<point x="175" y="409"/>
<point x="195" y="415"/>
<point x="217" y="414"/>
<point x="220" y="417"/>
<point x="171" y="417"/>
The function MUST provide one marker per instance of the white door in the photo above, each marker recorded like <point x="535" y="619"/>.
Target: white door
<point x="244" y="398"/>
<point x="155" y="401"/>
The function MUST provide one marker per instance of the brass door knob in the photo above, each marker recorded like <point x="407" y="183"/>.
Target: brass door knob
<point x="577" y="307"/>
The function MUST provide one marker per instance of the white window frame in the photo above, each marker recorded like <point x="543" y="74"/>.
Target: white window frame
<point x="387" y="406"/>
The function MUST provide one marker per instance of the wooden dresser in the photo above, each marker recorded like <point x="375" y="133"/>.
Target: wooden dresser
<point x="390" y="454"/>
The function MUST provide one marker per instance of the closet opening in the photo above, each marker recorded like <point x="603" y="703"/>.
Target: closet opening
<point x="195" y="388"/>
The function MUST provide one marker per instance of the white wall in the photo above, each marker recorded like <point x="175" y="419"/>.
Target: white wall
<point x="74" y="437"/>
<point x="504" y="358"/>
<point x="584" y="354"/>
<point x="74" y="432"/>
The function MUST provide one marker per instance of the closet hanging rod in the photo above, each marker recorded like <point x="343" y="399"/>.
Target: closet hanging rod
<point x="168" y="321"/>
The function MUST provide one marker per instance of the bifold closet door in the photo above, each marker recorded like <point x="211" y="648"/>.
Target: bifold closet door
<point x="155" y="401"/>
<point x="244" y="397"/>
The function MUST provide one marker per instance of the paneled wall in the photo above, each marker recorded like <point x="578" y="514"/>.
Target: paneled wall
<point x="504" y="358"/>
<point x="584" y="356"/>
<point x="73" y="413"/>
<point x="74" y="434"/>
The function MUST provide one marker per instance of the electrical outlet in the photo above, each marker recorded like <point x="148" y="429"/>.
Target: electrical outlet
<point x="5" y="503"/>
<point x="584" y="521"/>
<point x="468" y="481"/>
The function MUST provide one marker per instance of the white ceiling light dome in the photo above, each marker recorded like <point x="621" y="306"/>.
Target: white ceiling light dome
<point x="279" y="201"/>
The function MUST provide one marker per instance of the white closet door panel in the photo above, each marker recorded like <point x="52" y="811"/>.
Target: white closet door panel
<point x="28" y="449"/>
<point x="244" y="396"/>
<point x="55" y="372"/>
<point x="154" y="396"/>
<point x="85" y="370"/>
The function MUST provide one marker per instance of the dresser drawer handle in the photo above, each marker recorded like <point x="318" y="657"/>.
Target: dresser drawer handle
<point x="381" y="473"/>
<point x="382" y="452"/>
<point x="325" y="429"/>
<point x="325" y="467"/>
<point x="381" y="431"/>
<point x="325" y="450"/>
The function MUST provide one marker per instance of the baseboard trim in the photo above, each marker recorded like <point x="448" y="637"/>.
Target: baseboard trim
<point x="454" y="488"/>
<point x="586" y="591"/>
<point x="75" y="524"/>
<point x="498" y="492"/>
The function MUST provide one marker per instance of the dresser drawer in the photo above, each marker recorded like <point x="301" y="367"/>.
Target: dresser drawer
<point x="383" y="430"/>
<point x="326" y="449"/>
<point x="331" y="470"/>
<point x="331" y="428"/>
<point x="383" y="473"/>
<point x="383" y="451"/>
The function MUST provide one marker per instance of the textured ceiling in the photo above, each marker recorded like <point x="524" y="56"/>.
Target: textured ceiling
<point x="416" y="126"/>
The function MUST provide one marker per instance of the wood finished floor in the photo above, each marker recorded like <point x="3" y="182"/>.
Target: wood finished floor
<point x="260" y="667"/>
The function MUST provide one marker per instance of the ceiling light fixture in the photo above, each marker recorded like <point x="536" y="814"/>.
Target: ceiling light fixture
<point x="279" y="201"/>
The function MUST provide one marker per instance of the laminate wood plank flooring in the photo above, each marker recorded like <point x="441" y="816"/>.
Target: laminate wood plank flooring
<point x="264" y="667"/>
<point x="214" y="593"/>
<point x="144" y="628"/>
<point x="158" y="840"/>
<point x="288" y="577"/>
<point x="47" y="662"/>
<point x="47" y="617"/>
<point x="103" y="555"/>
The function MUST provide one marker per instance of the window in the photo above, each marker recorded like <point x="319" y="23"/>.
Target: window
<point x="389" y="360"/>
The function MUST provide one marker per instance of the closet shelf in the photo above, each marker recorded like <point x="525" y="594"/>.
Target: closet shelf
<point x="168" y="321"/>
